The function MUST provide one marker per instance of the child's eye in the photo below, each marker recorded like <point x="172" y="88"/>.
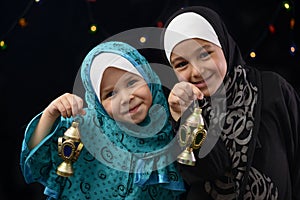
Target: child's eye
<point x="131" y="82"/>
<point x="204" y="54"/>
<point x="110" y="94"/>
<point x="180" y="64"/>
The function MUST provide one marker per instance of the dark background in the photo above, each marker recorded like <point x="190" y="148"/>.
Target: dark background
<point x="41" y="60"/>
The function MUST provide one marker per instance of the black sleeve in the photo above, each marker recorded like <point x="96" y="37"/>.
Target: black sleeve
<point x="287" y="108"/>
<point x="213" y="165"/>
<point x="293" y="141"/>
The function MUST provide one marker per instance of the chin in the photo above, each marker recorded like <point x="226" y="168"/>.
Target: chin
<point x="137" y="121"/>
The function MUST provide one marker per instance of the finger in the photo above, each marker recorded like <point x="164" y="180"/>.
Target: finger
<point x="80" y="105"/>
<point x="57" y="107"/>
<point x="177" y="104"/>
<point x="72" y="99"/>
<point x="197" y="94"/>
<point x="76" y="103"/>
<point x="188" y="88"/>
<point x="183" y="91"/>
<point x="66" y="107"/>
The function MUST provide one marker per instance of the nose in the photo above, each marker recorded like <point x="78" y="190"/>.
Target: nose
<point x="125" y="96"/>
<point x="196" y="70"/>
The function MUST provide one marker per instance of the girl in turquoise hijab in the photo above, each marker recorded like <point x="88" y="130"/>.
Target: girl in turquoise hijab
<point x="126" y="154"/>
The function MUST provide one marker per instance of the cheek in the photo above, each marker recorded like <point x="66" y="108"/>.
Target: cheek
<point x="222" y="65"/>
<point x="147" y="96"/>
<point x="222" y="69"/>
<point x="108" y="107"/>
<point x="150" y="99"/>
<point x="182" y="75"/>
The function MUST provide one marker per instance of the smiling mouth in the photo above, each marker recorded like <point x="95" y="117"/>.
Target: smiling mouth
<point x="134" y="109"/>
<point x="202" y="83"/>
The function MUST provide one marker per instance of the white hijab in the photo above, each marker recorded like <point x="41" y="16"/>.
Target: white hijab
<point x="187" y="26"/>
<point x="104" y="60"/>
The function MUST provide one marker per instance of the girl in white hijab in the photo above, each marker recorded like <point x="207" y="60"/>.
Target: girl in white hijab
<point x="252" y="117"/>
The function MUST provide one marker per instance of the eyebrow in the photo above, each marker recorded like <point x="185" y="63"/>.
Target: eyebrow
<point x="175" y="59"/>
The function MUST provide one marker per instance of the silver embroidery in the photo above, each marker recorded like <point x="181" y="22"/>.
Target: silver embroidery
<point x="236" y="134"/>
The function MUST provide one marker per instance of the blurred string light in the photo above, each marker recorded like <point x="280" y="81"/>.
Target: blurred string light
<point x="286" y="5"/>
<point x="293" y="49"/>
<point x="2" y="45"/>
<point x="289" y="8"/>
<point x="93" y="28"/>
<point x="143" y="39"/>
<point x="252" y="54"/>
<point x="22" y="22"/>
<point x="159" y="24"/>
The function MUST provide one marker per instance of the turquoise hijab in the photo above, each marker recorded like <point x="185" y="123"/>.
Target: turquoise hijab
<point x="146" y="150"/>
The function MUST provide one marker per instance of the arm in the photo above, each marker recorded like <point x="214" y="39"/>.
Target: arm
<point x="286" y="111"/>
<point x="293" y="108"/>
<point x="66" y="105"/>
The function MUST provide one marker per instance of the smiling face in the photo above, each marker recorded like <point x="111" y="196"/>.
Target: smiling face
<point x="199" y="62"/>
<point x="125" y="96"/>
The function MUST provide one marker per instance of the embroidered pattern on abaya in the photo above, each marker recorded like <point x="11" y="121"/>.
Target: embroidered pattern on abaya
<point x="237" y="134"/>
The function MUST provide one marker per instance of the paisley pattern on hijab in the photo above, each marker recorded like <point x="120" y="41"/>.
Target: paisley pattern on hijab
<point x="234" y="123"/>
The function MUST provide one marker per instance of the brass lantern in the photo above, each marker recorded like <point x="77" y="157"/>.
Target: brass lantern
<point x="69" y="147"/>
<point x="192" y="135"/>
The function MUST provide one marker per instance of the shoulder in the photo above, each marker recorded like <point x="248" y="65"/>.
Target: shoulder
<point x="268" y="81"/>
<point x="275" y="83"/>
<point x="273" y="77"/>
<point x="264" y="75"/>
<point x="272" y="86"/>
<point x="275" y="90"/>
